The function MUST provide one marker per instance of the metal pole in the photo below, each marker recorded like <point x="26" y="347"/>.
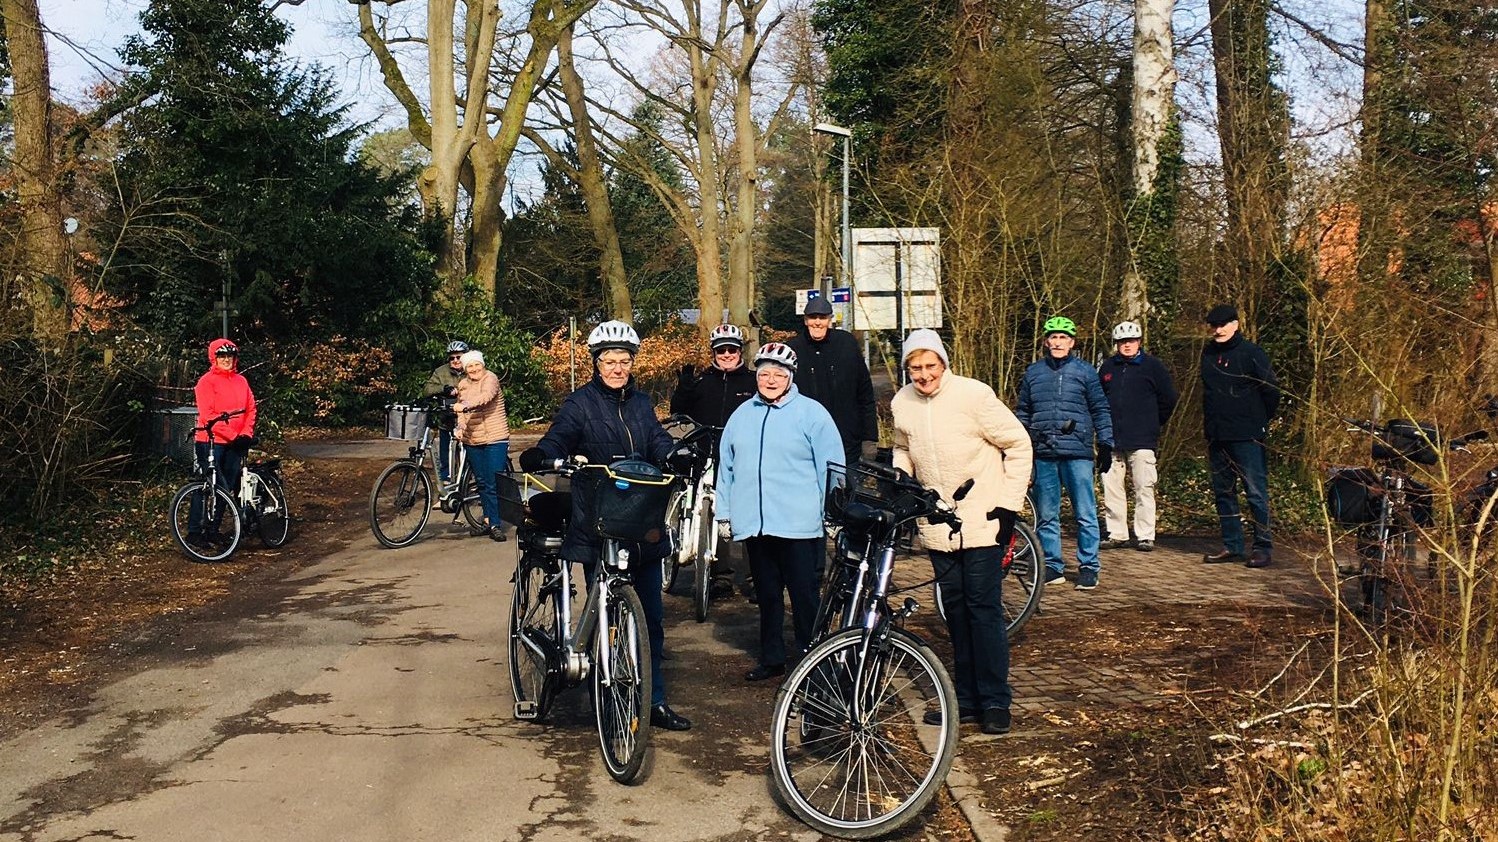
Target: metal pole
<point x="847" y="243"/>
<point x="225" y="334"/>
<point x="572" y="353"/>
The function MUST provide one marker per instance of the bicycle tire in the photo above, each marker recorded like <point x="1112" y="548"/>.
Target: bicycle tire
<point x="230" y="526"/>
<point x="1024" y="582"/>
<point x="621" y="707"/>
<point x="470" y="503"/>
<point x="702" y="572"/>
<point x="676" y="524"/>
<point x="273" y="517"/>
<point x="534" y="638"/>
<point x="400" y="504"/>
<point x="840" y="777"/>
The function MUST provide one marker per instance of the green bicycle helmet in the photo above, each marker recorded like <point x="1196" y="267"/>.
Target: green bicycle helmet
<point x="1060" y="324"/>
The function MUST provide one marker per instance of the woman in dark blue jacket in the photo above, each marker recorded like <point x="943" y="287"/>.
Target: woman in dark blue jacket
<point x="606" y="420"/>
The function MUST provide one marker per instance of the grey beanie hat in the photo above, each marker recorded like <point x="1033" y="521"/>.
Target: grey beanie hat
<point x="924" y="339"/>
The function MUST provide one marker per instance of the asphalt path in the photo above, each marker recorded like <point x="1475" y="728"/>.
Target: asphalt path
<point x="367" y="696"/>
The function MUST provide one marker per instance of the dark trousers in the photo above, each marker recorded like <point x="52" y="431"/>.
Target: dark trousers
<point x="969" y="592"/>
<point x="780" y="565"/>
<point x="1233" y="462"/>
<point x="229" y="461"/>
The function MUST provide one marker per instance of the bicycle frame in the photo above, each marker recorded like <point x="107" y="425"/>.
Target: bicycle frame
<point x="424" y="455"/>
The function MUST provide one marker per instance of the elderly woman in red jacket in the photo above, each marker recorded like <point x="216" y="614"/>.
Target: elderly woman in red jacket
<point x="222" y="390"/>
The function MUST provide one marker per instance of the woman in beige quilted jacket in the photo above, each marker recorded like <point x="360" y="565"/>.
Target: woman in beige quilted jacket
<point x="485" y="433"/>
<point x="948" y="430"/>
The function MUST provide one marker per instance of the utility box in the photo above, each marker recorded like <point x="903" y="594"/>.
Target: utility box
<point x="171" y="437"/>
<point x="896" y="278"/>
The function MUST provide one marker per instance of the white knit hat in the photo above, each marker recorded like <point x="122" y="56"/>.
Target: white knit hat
<point x="472" y="357"/>
<point x="924" y="339"/>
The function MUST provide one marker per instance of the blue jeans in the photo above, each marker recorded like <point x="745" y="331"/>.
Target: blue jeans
<point x="229" y="461"/>
<point x="485" y="460"/>
<point x="970" y="594"/>
<point x="1076" y="476"/>
<point x="444" y="446"/>
<point x="1246" y="461"/>
<point x="780" y="565"/>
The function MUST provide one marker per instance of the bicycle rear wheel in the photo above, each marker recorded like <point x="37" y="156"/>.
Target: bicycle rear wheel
<point x="534" y="640"/>
<point x="621" y="698"/>
<point x="219" y="525"/>
<point x="274" y="521"/>
<point x="851" y="753"/>
<point x="702" y="574"/>
<point x="472" y="505"/>
<point x="1025" y="582"/>
<point x="400" y="504"/>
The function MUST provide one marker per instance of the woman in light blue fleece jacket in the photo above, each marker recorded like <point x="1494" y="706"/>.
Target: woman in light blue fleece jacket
<point x="772" y="476"/>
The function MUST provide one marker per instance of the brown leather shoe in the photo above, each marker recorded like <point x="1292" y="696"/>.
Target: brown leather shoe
<point x="1257" y="559"/>
<point x="1223" y="557"/>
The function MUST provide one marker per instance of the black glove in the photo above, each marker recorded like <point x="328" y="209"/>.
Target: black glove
<point x="534" y="459"/>
<point x="1104" y="458"/>
<point x="449" y="391"/>
<point x="243" y="443"/>
<point x="687" y="374"/>
<point x="1006" y="518"/>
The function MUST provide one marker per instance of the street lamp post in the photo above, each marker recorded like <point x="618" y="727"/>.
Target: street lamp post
<point x="846" y="135"/>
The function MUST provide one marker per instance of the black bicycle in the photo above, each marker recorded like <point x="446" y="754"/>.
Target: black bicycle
<point x="401" y="501"/>
<point x="864" y="729"/>
<point x="608" y="644"/>
<point x="1387" y="507"/>
<point x="208" y="522"/>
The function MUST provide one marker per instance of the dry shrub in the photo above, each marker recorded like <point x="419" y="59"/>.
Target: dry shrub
<point x="335" y="381"/>
<point x="662" y="354"/>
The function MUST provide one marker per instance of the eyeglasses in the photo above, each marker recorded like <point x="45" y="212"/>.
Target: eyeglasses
<point x="454" y="357"/>
<point x="766" y="372"/>
<point x="725" y="350"/>
<point x="626" y="363"/>
<point x="918" y="369"/>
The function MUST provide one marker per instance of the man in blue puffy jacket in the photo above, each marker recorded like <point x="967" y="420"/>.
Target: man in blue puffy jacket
<point x="1061" y="403"/>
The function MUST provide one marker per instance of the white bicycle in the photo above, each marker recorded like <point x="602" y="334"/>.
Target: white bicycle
<point x="694" y="535"/>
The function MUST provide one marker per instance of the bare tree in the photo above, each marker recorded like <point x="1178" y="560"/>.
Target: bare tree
<point x="1152" y="119"/>
<point x="43" y="249"/>
<point x="472" y="136"/>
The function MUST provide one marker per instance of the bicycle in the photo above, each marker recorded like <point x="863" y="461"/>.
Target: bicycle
<point x="694" y="537"/>
<point x="852" y="752"/>
<point x="258" y="506"/>
<point x="401" y="501"/>
<point x="608" y="645"/>
<point x="1387" y="508"/>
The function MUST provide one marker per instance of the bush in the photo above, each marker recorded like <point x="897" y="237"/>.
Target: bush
<point x="1186" y="504"/>
<point x="508" y="352"/>
<point x="335" y="382"/>
<point x="662" y="354"/>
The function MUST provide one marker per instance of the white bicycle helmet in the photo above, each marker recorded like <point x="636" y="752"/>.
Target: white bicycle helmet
<point x="613" y="335"/>
<point x="726" y="335"/>
<point x="457" y="346"/>
<point x="1127" y="330"/>
<point x="775" y="352"/>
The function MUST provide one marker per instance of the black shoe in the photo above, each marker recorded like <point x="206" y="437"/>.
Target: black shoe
<point x="497" y="533"/>
<point x="720" y="589"/>
<point x="996" y="721"/>
<point x="476" y="531"/>
<point x="764" y="671"/>
<point x="198" y="542"/>
<point x="1223" y="557"/>
<point x="662" y="716"/>
<point x="1145" y="546"/>
<point x="1112" y="544"/>
<point x="1257" y="559"/>
<point x="964" y="716"/>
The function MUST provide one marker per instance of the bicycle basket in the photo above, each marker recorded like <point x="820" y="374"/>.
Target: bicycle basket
<point x="1353" y="496"/>
<point x="629" y="500"/>
<point x="1414" y="442"/>
<point x="405" y="422"/>
<point x="547" y="510"/>
<point x="862" y="485"/>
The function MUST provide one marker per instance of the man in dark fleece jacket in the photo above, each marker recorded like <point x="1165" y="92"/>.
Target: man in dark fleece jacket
<point x="1239" y="396"/>
<point x="831" y="371"/>
<point x="1141" y="398"/>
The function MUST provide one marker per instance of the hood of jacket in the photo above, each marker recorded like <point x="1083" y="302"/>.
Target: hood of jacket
<point x="213" y="357"/>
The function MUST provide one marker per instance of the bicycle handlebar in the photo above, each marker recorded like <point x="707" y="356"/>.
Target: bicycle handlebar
<point x="221" y="418"/>
<point x="1382" y="432"/>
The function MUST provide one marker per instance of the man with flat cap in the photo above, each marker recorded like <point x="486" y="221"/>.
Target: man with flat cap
<point x="1239" y="396"/>
<point x="830" y="370"/>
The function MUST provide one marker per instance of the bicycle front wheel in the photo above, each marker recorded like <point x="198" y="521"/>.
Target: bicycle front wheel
<point x="217" y="517"/>
<point x="851" y="752"/>
<point x="1024" y="583"/>
<point x="621" y="697"/>
<point x="676" y="522"/>
<point x="274" y="522"/>
<point x="400" y="504"/>
<point x="534" y="641"/>
<point x="707" y="540"/>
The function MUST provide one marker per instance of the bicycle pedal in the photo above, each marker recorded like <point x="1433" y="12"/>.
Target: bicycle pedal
<point x="526" y="710"/>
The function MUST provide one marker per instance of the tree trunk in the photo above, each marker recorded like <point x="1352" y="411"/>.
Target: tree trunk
<point x="43" y="248"/>
<point x="1152" y="114"/>
<point x="590" y="180"/>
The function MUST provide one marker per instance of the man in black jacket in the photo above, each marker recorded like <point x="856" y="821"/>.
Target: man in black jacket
<point x="1239" y="396"/>
<point x="831" y="371"/>
<point x="1141" y="398"/>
